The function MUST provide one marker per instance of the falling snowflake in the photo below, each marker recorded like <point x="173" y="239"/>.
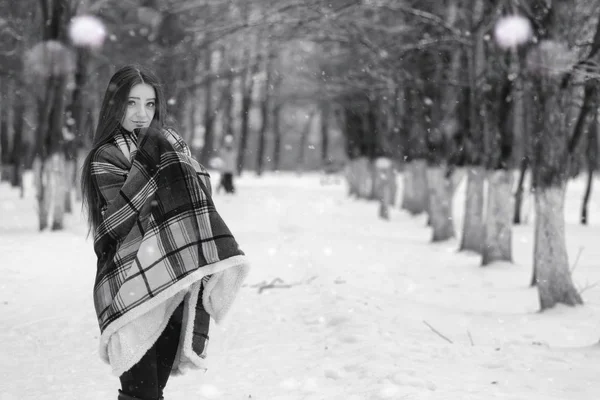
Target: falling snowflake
<point x="390" y="391"/>
<point x="87" y="31"/>
<point x="210" y="391"/>
<point x="551" y="58"/>
<point x="512" y="31"/>
<point x="49" y="58"/>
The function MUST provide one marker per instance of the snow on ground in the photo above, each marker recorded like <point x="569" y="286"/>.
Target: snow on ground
<point x="353" y="325"/>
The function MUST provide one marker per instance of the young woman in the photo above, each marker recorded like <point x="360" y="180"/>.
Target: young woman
<point x="167" y="262"/>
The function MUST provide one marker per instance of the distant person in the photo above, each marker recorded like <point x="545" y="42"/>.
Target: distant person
<point x="166" y="260"/>
<point x="228" y="158"/>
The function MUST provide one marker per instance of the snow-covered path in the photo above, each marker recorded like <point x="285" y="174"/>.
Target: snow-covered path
<point x="352" y="325"/>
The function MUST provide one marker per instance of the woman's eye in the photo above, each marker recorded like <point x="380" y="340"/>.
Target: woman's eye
<point x="151" y="104"/>
<point x="131" y="103"/>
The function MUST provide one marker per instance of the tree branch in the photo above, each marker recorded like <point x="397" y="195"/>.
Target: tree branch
<point x="590" y="98"/>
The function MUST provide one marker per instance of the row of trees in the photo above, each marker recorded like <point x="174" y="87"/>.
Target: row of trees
<point x="442" y="92"/>
<point x="229" y="67"/>
<point x="425" y="83"/>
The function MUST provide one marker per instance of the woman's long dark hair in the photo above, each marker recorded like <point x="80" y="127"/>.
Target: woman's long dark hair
<point x="111" y="114"/>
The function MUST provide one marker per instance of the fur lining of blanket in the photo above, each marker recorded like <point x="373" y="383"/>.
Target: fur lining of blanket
<point x="183" y="358"/>
<point x="125" y="341"/>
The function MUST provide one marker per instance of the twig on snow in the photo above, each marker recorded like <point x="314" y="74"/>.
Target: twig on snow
<point x="470" y="338"/>
<point x="437" y="332"/>
<point x="278" y="283"/>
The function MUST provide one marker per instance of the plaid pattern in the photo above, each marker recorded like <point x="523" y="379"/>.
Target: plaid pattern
<point x="159" y="222"/>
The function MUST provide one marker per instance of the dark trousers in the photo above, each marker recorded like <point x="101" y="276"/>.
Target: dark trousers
<point x="227" y="182"/>
<point x="147" y="379"/>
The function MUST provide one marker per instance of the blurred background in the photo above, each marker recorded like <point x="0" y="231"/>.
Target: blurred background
<point x="504" y="93"/>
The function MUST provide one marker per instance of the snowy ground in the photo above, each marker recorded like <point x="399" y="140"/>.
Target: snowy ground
<point x="353" y="325"/>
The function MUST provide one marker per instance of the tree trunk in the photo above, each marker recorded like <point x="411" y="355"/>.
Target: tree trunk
<point x="365" y="177"/>
<point x="69" y="183"/>
<point x="552" y="265"/>
<point x="304" y="141"/>
<point x="352" y="177"/>
<point x="262" y="135"/>
<point x="49" y="137"/>
<point x="536" y="230"/>
<point x="9" y="131"/>
<point x="228" y="116"/>
<point x="247" y="85"/>
<point x="472" y="237"/>
<point x="277" y="136"/>
<point x="550" y="100"/>
<point x="519" y="192"/>
<point x="49" y="182"/>
<point x="209" y="114"/>
<point x="498" y="221"/>
<point x="244" y="130"/>
<point x="2" y="144"/>
<point x="325" y="108"/>
<point x="264" y="112"/>
<point x="18" y="153"/>
<point x="360" y="178"/>
<point x="385" y="180"/>
<point x="586" y="196"/>
<point x="592" y="160"/>
<point x="415" y="195"/>
<point x="57" y="189"/>
<point x="407" y="186"/>
<point x="440" y="204"/>
<point x="4" y="135"/>
<point x="189" y="111"/>
<point x="41" y="179"/>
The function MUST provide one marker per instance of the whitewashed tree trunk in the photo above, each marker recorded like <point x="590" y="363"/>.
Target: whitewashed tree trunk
<point x="440" y="204"/>
<point x="415" y="196"/>
<point x="58" y="189"/>
<point x="41" y="179"/>
<point x="360" y="178"/>
<point x="49" y="178"/>
<point x="472" y="237"/>
<point x="69" y="183"/>
<point x="551" y="261"/>
<point x="498" y="218"/>
<point x="384" y="185"/>
<point x="407" y="185"/>
<point x="351" y="178"/>
<point x="456" y="178"/>
<point x="365" y="168"/>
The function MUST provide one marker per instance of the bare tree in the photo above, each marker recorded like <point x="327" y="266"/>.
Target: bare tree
<point x="553" y="68"/>
<point x="472" y="237"/>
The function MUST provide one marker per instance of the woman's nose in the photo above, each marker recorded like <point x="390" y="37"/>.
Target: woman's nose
<point x="141" y="112"/>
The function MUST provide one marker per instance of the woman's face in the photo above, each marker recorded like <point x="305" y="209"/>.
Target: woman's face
<point x="141" y="106"/>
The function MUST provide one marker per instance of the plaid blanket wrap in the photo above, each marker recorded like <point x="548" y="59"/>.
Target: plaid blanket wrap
<point x="160" y="242"/>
